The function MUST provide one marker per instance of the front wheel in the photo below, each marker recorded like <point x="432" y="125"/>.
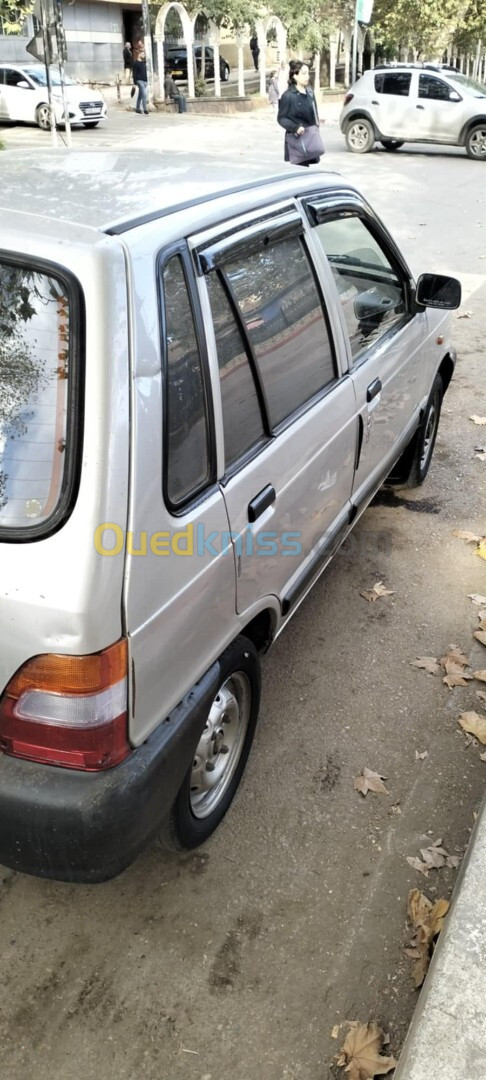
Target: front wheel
<point x="391" y="144"/>
<point x="412" y="468"/>
<point x="360" y="136"/>
<point x="220" y="757"/>
<point x="225" y="74"/>
<point x="476" y="143"/>
<point x="43" y="117"/>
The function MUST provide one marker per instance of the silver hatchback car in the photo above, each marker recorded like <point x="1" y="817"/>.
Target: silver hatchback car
<point x="403" y="103"/>
<point x="205" y="377"/>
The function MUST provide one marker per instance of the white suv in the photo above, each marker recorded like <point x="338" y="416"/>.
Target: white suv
<point x="408" y="104"/>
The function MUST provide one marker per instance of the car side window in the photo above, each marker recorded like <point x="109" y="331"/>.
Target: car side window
<point x="393" y="82"/>
<point x="11" y="77"/>
<point x="242" y="417"/>
<point x="371" y="291"/>
<point x="187" y="438"/>
<point x="430" y="87"/>
<point x="285" y="324"/>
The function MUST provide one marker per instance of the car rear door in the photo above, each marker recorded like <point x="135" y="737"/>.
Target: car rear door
<point x="391" y="103"/>
<point x="386" y="338"/>
<point x="287" y="405"/>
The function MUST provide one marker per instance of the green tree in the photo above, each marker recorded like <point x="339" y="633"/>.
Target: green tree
<point x="425" y="25"/>
<point x="14" y="13"/>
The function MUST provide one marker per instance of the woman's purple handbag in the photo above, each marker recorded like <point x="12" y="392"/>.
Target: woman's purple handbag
<point x="306" y="147"/>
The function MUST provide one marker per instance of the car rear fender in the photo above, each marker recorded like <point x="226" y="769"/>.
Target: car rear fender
<point x="359" y="114"/>
<point x="479" y="119"/>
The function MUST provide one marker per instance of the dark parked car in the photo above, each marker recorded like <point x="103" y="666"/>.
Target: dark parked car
<point x="177" y="63"/>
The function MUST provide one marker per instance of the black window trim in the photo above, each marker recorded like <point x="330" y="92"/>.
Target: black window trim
<point x="248" y="239"/>
<point x="209" y="486"/>
<point x="75" y="404"/>
<point x="318" y="212"/>
<point x="300" y="410"/>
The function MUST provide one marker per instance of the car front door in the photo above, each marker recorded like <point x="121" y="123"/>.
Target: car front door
<point x="391" y="104"/>
<point x="440" y="110"/>
<point x="385" y="338"/>
<point x="287" y="405"/>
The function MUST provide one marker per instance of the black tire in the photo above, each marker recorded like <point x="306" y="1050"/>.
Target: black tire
<point x="360" y="136"/>
<point x="476" y="142"/>
<point x="90" y="123"/>
<point x="412" y="468"/>
<point x="225" y="74"/>
<point x="194" y="816"/>
<point x="391" y="144"/>
<point x="42" y="116"/>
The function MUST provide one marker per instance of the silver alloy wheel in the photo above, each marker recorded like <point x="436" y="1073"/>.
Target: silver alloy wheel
<point x="43" y="117"/>
<point x="358" y="135"/>
<point x="219" y="748"/>
<point x="429" y="436"/>
<point x="477" y="143"/>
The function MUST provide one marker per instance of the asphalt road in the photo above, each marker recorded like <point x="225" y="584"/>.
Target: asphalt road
<point x="238" y="960"/>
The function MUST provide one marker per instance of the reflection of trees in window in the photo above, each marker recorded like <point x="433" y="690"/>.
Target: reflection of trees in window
<point x="23" y="294"/>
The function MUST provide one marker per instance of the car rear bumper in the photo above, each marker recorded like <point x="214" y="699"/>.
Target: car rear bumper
<point x="88" y="827"/>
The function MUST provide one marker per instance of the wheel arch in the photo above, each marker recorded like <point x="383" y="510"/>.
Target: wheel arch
<point x="469" y="125"/>
<point x="360" y="114"/>
<point x="261" y="629"/>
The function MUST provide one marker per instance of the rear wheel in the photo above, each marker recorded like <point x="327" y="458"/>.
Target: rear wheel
<point x="391" y="144"/>
<point x="43" y="116"/>
<point x="360" y="136"/>
<point x="225" y="74"/>
<point x="220" y="757"/>
<point x="476" y="142"/>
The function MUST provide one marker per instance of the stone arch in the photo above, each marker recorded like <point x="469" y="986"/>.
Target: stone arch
<point x="262" y="26"/>
<point x="214" y="40"/>
<point x="188" y="34"/>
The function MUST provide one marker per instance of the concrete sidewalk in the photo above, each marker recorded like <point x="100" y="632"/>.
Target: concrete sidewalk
<point x="329" y="109"/>
<point x="447" y="1036"/>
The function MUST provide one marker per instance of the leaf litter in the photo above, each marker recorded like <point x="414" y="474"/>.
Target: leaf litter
<point x="427" y="920"/>
<point x="376" y="592"/>
<point x="370" y="781"/>
<point x="361" y="1054"/>
<point x="453" y="664"/>
<point x="475" y="724"/>
<point x="434" y="857"/>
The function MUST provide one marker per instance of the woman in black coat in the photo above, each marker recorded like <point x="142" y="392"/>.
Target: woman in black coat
<point x="297" y="106"/>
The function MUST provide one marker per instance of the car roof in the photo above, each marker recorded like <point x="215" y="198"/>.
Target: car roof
<point x="115" y="190"/>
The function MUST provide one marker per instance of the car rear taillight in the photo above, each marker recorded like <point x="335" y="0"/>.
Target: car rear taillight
<point x="348" y="98"/>
<point x="68" y="710"/>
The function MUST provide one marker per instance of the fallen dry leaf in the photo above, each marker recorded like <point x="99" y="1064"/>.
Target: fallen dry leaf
<point x="465" y="315"/>
<point x="476" y="598"/>
<point x="360" y="1052"/>
<point x="475" y="725"/>
<point x="481" y="548"/>
<point x="482" y="621"/>
<point x="420" y="757"/>
<point x="428" y="663"/>
<point x="481" y="456"/>
<point x="456" y="653"/>
<point x="370" y="781"/>
<point x="483" y="756"/>
<point x="427" y="920"/>
<point x="453" y="664"/>
<point x="417" y="864"/>
<point x="469" y="537"/>
<point x="377" y="591"/>
<point x="480" y="635"/>
<point x="481" y="675"/>
<point x="434" y="858"/>
<point x="480" y="420"/>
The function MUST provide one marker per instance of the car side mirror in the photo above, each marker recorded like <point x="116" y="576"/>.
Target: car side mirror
<point x="454" y="96"/>
<point x="23" y="85"/>
<point x="438" y="291"/>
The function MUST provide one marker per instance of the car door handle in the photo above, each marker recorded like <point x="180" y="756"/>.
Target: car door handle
<point x="375" y="102"/>
<point x="420" y="107"/>
<point x="373" y="390"/>
<point x="261" y="502"/>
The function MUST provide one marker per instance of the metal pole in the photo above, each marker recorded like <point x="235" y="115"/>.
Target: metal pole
<point x="148" y="49"/>
<point x="67" y="122"/>
<point x="354" y="63"/>
<point x="47" y="53"/>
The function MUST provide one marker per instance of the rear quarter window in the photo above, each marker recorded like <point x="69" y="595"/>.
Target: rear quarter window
<point x="393" y="82"/>
<point x="37" y="320"/>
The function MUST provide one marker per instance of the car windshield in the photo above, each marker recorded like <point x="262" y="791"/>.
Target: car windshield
<point x="38" y="75"/>
<point x="469" y="84"/>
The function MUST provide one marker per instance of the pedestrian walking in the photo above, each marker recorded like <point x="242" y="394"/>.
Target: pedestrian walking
<point x="297" y="114"/>
<point x="140" y="81"/>
<point x="255" y="50"/>
<point x="128" y="61"/>
<point x="173" y="93"/>
<point x="273" y="91"/>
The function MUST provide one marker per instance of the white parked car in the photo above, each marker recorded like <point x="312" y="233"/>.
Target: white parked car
<point x="23" y="96"/>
